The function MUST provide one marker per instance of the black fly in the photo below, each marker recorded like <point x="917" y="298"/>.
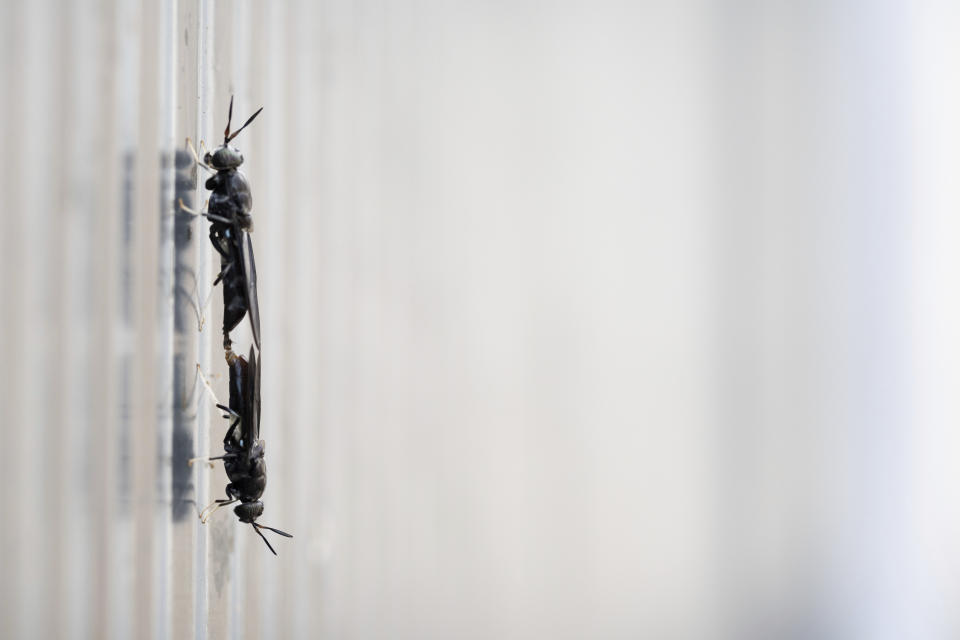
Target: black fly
<point x="243" y="459"/>
<point x="230" y="224"/>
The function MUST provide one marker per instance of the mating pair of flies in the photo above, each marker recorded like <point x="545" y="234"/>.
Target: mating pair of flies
<point x="228" y="211"/>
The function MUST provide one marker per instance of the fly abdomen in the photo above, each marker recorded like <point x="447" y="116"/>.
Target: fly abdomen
<point x="234" y="294"/>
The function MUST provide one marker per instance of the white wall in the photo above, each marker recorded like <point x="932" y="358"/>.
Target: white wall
<point x="580" y="320"/>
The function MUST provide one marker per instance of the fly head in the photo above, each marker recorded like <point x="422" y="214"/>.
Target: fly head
<point x="249" y="511"/>
<point x="224" y="157"/>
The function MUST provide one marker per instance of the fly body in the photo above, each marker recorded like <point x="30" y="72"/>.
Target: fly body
<point x="228" y="211"/>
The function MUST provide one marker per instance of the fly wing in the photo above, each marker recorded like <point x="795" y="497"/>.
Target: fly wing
<point x="250" y="284"/>
<point x="251" y="397"/>
<point x="256" y="395"/>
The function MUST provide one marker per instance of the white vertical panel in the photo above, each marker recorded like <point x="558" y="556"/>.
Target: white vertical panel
<point x="198" y="87"/>
<point x="189" y="403"/>
<point x="219" y="531"/>
<point x="252" y="62"/>
<point x="935" y="313"/>
<point x="271" y="193"/>
<point x="128" y="35"/>
<point x="144" y="235"/>
<point x="165" y="354"/>
<point x="39" y="434"/>
<point x="496" y="223"/>
<point x="10" y="292"/>
<point x="79" y="251"/>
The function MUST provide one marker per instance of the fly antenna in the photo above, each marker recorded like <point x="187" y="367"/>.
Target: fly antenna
<point x="249" y="120"/>
<point x="256" y="528"/>
<point x="226" y="132"/>
<point x="283" y="533"/>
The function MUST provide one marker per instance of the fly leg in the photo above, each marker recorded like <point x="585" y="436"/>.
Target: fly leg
<point x="202" y="213"/>
<point x="231" y="435"/>
<point x="216" y="504"/>
<point x="213" y="396"/>
<point x="226" y="456"/>
<point x="223" y="271"/>
<point x="206" y="303"/>
<point x="196" y="157"/>
<point x="202" y="308"/>
<point x="217" y="240"/>
<point x="228" y="413"/>
<point x="221" y="245"/>
<point x="212" y="507"/>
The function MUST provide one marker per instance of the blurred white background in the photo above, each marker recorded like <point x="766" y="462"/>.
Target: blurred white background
<point x="580" y="319"/>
